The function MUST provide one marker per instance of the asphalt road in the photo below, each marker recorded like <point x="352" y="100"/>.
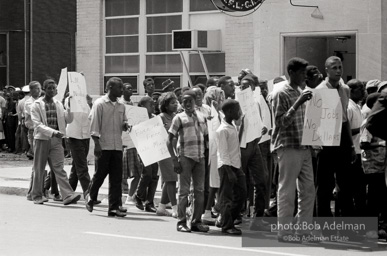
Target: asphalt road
<point x="54" y="229"/>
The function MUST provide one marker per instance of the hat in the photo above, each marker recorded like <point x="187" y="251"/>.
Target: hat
<point x="167" y="85"/>
<point x="190" y="93"/>
<point x="382" y="85"/>
<point x="156" y="93"/>
<point x="373" y="83"/>
<point x="10" y="86"/>
<point x="26" y="88"/>
<point x="249" y="77"/>
<point x="17" y="89"/>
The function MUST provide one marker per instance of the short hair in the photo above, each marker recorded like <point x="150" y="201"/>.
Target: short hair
<point x="278" y="79"/>
<point x="148" y="80"/>
<point x="229" y="104"/>
<point x="144" y="100"/>
<point x="212" y="81"/>
<point x="252" y="78"/>
<point x="223" y="80"/>
<point x="202" y="87"/>
<point x="177" y="89"/>
<point x="296" y="64"/>
<point x="156" y="94"/>
<point x="190" y="93"/>
<point x="184" y="88"/>
<point x="372" y="98"/>
<point x="126" y="84"/>
<point x="331" y="59"/>
<point x="165" y="99"/>
<point x="47" y="82"/>
<point x="112" y="81"/>
<point x="355" y="84"/>
<point x="33" y="85"/>
<point x="311" y="70"/>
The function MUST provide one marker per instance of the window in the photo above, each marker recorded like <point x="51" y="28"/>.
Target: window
<point x="165" y="6"/>
<point x="122" y="64"/>
<point x="122" y="7"/>
<point x="215" y="62"/>
<point x="3" y="61"/>
<point x="201" y="5"/>
<point x="163" y="63"/>
<point x="125" y="79"/>
<point x="160" y="79"/>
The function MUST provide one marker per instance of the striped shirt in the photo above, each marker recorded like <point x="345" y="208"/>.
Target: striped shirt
<point x="52" y="119"/>
<point x="190" y="131"/>
<point x="288" y="122"/>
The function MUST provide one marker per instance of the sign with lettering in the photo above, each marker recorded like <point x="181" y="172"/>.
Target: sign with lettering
<point x="62" y="85"/>
<point x="238" y="5"/>
<point x="150" y="139"/>
<point x="78" y="92"/>
<point x="135" y="115"/>
<point x="252" y="121"/>
<point x="265" y="114"/>
<point x="323" y="119"/>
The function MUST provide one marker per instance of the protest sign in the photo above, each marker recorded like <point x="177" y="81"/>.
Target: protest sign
<point x="213" y="125"/>
<point x="78" y="92"/>
<point x="252" y="120"/>
<point x="135" y="115"/>
<point x="150" y="139"/>
<point x="323" y="119"/>
<point x="62" y="85"/>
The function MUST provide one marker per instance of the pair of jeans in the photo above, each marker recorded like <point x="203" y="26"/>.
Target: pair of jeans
<point x="231" y="196"/>
<point x="195" y="171"/>
<point x="256" y="175"/>
<point x="52" y="151"/>
<point x="110" y="162"/>
<point x="79" y="170"/>
<point x="147" y="185"/>
<point x="295" y="173"/>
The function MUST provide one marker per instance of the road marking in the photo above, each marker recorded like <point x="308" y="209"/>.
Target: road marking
<point x="194" y="244"/>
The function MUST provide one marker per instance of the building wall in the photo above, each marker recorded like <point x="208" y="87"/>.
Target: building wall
<point x="89" y="43"/>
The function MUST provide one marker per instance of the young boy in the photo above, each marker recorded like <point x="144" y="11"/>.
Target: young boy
<point x="190" y="130"/>
<point x="232" y="190"/>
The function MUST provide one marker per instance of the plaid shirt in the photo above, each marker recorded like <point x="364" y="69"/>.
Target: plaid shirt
<point x="52" y="119"/>
<point x="288" y="122"/>
<point x="190" y="131"/>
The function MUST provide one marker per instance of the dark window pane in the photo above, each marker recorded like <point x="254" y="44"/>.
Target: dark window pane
<point x="122" y="27"/>
<point x="160" y="79"/>
<point x="215" y="62"/>
<point x="201" y="5"/>
<point x="125" y="79"/>
<point x="202" y="79"/>
<point x="121" y="64"/>
<point x="159" y="43"/>
<point x="122" y="44"/>
<point x="164" y="24"/>
<point x="122" y="7"/>
<point x="157" y="6"/>
<point x="163" y="63"/>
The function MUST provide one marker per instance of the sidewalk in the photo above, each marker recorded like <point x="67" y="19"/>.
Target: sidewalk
<point x="15" y="175"/>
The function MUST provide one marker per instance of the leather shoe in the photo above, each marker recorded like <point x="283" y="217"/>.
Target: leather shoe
<point x="97" y="202"/>
<point x="139" y="204"/>
<point x="150" y="208"/>
<point x="39" y="201"/>
<point x="183" y="228"/>
<point x="122" y="209"/>
<point x="232" y="231"/>
<point x="72" y="199"/>
<point x="89" y="205"/>
<point x="200" y="228"/>
<point x="116" y="213"/>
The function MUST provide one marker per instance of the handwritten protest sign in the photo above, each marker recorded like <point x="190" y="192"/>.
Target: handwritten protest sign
<point x="78" y="92"/>
<point x="62" y="85"/>
<point x="271" y="85"/>
<point x="252" y="120"/>
<point x="135" y="115"/>
<point x="150" y="139"/>
<point x="323" y="119"/>
<point x="213" y="125"/>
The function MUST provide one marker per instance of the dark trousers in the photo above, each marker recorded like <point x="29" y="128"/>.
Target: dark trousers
<point x="110" y="162"/>
<point x="376" y="197"/>
<point x="79" y="170"/>
<point x="256" y="174"/>
<point x="206" y="177"/>
<point x="358" y="187"/>
<point x="147" y="186"/>
<point x="268" y="162"/>
<point x="10" y="132"/>
<point x="231" y="196"/>
<point x="50" y="182"/>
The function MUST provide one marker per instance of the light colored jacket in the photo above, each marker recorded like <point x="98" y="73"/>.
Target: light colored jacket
<point x="39" y="119"/>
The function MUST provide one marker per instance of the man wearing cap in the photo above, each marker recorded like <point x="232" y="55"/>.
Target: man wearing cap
<point x="22" y="130"/>
<point x="371" y="87"/>
<point x="168" y="85"/>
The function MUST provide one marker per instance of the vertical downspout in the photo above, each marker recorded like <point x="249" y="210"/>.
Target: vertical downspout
<point x="25" y="42"/>
<point x="31" y="36"/>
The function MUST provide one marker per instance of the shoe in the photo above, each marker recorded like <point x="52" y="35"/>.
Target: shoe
<point x="72" y="199"/>
<point x="89" y="205"/>
<point x="45" y="199"/>
<point x="29" y="197"/>
<point x="39" y="201"/>
<point x="97" y="202"/>
<point x="200" y="228"/>
<point x="139" y="204"/>
<point x="238" y="221"/>
<point x="232" y="231"/>
<point x="218" y="222"/>
<point x="183" y="228"/>
<point x="260" y="225"/>
<point x="58" y="198"/>
<point x="122" y="209"/>
<point x="116" y="213"/>
<point x="150" y="208"/>
<point x="164" y="212"/>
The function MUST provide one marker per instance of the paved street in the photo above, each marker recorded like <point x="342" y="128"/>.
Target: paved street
<point x="54" y="229"/>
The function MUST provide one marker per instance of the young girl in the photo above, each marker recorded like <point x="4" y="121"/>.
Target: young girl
<point x="168" y="106"/>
